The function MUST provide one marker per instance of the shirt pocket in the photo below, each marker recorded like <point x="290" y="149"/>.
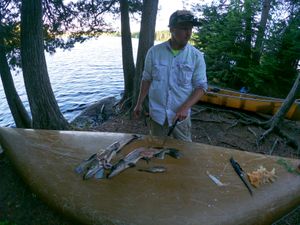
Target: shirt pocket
<point x="159" y="71"/>
<point x="185" y="75"/>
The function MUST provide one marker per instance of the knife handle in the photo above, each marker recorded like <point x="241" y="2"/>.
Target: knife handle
<point x="172" y="127"/>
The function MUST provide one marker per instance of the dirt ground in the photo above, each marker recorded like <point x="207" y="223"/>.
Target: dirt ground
<point x="211" y="125"/>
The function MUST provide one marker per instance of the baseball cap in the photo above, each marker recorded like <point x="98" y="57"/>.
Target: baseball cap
<point x="183" y="16"/>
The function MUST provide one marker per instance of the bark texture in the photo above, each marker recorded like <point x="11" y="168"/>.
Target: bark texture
<point x="18" y="111"/>
<point x="43" y="105"/>
<point x="146" y="40"/>
<point x="127" y="53"/>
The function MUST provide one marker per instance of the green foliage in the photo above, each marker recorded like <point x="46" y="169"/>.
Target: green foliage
<point x="222" y="48"/>
<point x="227" y="37"/>
<point x="64" y="25"/>
<point x="135" y="34"/>
<point x="159" y="35"/>
<point x="6" y="223"/>
<point x="10" y="30"/>
<point x="162" y="35"/>
<point x="288" y="166"/>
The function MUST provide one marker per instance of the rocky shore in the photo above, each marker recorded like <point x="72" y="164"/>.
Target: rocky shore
<point x="94" y="115"/>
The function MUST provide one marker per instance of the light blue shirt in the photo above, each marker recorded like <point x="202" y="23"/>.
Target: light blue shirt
<point x="173" y="79"/>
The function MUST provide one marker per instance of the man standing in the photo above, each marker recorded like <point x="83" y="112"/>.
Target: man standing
<point x="174" y="76"/>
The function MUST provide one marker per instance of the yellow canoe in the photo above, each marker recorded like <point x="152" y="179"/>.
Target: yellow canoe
<point x="249" y="102"/>
<point x="184" y="194"/>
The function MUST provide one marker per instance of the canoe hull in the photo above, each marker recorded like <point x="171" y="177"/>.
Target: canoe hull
<point x="249" y="102"/>
<point x="182" y="195"/>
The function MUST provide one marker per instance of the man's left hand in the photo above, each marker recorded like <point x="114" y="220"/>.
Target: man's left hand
<point x="181" y="114"/>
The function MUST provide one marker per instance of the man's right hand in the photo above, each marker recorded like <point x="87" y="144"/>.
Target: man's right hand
<point x="137" y="111"/>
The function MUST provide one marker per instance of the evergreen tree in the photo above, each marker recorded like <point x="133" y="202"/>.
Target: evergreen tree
<point x="251" y="43"/>
<point x="8" y="39"/>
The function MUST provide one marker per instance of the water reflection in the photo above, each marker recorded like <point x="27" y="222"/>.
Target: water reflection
<point x="80" y="77"/>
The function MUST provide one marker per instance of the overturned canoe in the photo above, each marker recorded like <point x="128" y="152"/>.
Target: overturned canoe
<point x="184" y="194"/>
<point x="249" y="102"/>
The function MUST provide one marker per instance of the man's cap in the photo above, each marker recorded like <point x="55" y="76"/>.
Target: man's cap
<point x="183" y="17"/>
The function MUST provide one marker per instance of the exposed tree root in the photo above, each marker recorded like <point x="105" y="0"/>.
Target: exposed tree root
<point x="232" y="125"/>
<point x="252" y="131"/>
<point x="207" y="136"/>
<point x="289" y="140"/>
<point x="208" y="121"/>
<point x="270" y="126"/>
<point x="273" y="146"/>
<point x="123" y="105"/>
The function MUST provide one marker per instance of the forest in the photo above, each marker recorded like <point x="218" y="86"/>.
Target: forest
<point x="250" y="44"/>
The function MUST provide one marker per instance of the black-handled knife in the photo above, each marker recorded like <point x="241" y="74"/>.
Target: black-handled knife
<point x="172" y="127"/>
<point x="170" y="132"/>
<point x="238" y="169"/>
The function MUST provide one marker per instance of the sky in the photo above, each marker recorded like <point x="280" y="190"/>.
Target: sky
<point x="166" y="8"/>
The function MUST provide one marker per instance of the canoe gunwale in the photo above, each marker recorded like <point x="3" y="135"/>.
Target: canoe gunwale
<point x="249" y="102"/>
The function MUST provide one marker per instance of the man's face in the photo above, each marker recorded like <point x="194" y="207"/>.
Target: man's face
<point x="181" y="33"/>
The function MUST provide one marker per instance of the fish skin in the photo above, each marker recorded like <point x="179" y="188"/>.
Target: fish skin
<point x="85" y="164"/>
<point x="100" y="174"/>
<point x="101" y="160"/>
<point x="141" y="153"/>
<point x="154" y="169"/>
<point x="169" y="151"/>
<point x="175" y="153"/>
<point x="149" y="153"/>
<point x="128" y="161"/>
<point x="92" y="171"/>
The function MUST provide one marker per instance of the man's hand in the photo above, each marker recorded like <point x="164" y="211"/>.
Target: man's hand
<point x="183" y="110"/>
<point x="181" y="114"/>
<point x="137" y="111"/>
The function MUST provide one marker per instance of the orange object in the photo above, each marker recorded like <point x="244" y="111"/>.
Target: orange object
<point x="249" y="102"/>
<point x="261" y="176"/>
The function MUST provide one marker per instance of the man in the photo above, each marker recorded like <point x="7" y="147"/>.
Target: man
<point x="174" y="76"/>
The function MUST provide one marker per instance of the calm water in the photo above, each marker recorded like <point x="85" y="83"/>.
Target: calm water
<point x="89" y="72"/>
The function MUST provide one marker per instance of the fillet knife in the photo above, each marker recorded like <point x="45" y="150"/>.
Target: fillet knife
<point x="170" y="131"/>
<point x="240" y="172"/>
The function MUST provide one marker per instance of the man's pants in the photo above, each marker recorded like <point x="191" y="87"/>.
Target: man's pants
<point x="182" y="130"/>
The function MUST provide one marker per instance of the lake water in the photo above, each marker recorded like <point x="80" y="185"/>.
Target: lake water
<point x="86" y="74"/>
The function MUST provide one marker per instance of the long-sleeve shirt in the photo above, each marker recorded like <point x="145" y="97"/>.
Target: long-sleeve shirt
<point x="173" y="78"/>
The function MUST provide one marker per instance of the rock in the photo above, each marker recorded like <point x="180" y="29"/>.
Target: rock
<point x="95" y="114"/>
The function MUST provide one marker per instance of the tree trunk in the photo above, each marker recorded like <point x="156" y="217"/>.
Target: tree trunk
<point x="146" y="40"/>
<point x="127" y="54"/>
<point x="248" y="31"/>
<point x="43" y="105"/>
<point x="18" y="111"/>
<point x="286" y="105"/>
<point x="261" y="31"/>
<point x="275" y="121"/>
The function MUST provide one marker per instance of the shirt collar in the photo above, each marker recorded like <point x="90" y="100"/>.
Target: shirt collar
<point x="168" y="45"/>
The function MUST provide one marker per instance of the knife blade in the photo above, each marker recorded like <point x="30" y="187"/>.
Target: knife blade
<point x="171" y="129"/>
<point x="240" y="172"/>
